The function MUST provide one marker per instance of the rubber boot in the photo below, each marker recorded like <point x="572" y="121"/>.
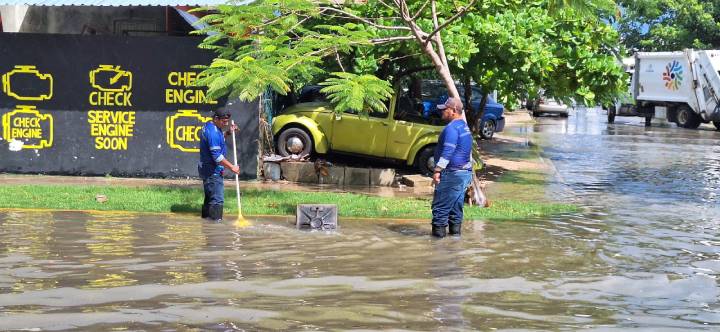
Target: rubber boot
<point x="455" y="229"/>
<point x="205" y="213"/>
<point x="438" y="231"/>
<point x="216" y="212"/>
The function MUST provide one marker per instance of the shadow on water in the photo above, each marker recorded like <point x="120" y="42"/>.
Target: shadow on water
<point x="186" y="208"/>
<point x="408" y="229"/>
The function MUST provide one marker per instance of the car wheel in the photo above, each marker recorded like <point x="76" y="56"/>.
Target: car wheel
<point x="536" y="114"/>
<point x="611" y="114"/>
<point x="487" y="129"/>
<point x="294" y="141"/>
<point x="686" y="118"/>
<point x="425" y="160"/>
<point x="717" y="124"/>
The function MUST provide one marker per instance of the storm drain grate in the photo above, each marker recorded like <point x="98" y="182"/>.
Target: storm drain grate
<point x="317" y="216"/>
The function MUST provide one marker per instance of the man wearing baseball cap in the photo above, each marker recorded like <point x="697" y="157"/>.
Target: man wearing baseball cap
<point x="213" y="163"/>
<point x="453" y="170"/>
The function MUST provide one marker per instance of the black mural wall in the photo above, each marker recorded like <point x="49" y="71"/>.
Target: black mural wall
<point x="96" y="105"/>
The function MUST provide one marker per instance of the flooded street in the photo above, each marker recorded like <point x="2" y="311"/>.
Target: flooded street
<point x="644" y="253"/>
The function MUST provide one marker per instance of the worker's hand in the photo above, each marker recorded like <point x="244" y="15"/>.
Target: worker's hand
<point x="235" y="169"/>
<point x="233" y="127"/>
<point x="436" y="178"/>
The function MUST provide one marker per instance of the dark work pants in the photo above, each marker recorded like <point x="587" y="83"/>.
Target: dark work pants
<point x="449" y="197"/>
<point x="213" y="188"/>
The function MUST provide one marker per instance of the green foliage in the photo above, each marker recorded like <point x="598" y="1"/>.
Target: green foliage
<point x="349" y="91"/>
<point x="670" y="25"/>
<point x="277" y="44"/>
<point x="565" y="47"/>
<point x="568" y="54"/>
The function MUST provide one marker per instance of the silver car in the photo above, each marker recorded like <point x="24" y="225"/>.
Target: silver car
<point x="549" y="106"/>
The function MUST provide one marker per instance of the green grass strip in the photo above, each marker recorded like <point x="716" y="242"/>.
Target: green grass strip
<point x="255" y="202"/>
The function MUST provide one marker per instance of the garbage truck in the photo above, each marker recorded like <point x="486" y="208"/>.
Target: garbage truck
<point x="682" y="87"/>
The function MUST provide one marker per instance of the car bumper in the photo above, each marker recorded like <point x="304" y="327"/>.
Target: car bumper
<point x="500" y="125"/>
<point x="553" y="109"/>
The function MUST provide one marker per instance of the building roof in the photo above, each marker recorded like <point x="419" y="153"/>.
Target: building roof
<point x="116" y="2"/>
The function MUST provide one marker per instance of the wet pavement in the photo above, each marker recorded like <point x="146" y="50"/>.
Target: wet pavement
<point x="644" y="254"/>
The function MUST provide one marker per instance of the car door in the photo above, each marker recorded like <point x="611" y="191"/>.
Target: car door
<point x="412" y="121"/>
<point x="361" y="134"/>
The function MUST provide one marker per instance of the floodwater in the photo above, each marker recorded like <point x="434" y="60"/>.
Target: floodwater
<point x="644" y="255"/>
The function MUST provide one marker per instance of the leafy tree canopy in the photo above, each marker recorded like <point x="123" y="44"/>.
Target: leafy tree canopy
<point x="356" y="49"/>
<point x="670" y="25"/>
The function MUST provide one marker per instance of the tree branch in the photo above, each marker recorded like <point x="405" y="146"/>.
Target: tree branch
<point x="299" y="23"/>
<point x="364" y="20"/>
<point x="419" y="34"/>
<point x="391" y="7"/>
<point x="451" y="19"/>
<point x="419" y="11"/>
<point x="337" y="57"/>
<point x="437" y="38"/>
<point x="404" y="56"/>
<point x="390" y="39"/>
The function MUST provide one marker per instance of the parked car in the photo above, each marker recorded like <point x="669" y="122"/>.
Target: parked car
<point x="544" y="105"/>
<point x="401" y="133"/>
<point x="493" y="119"/>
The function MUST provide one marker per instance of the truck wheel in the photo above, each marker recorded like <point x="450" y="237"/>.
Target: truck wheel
<point x="717" y="124"/>
<point x="487" y="129"/>
<point x="611" y="114"/>
<point x="294" y="141"/>
<point x="686" y="118"/>
<point x="425" y="160"/>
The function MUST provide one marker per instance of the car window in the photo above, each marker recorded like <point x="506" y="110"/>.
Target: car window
<point x="311" y="94"/>
<point x="476" y="94"/>
<point x="415" y="102"/>
<point x="439" y="93"/>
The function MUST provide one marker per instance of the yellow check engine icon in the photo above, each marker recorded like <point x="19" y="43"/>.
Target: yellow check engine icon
<point x="25" y="123"/>
<point x="183" y="130"/>
<point x="111" y="78"/>
<point x="25" y="82"/>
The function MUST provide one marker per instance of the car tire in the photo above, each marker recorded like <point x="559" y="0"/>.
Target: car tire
<point x="487" y="129"/>
<point x="611" y="114"/>
<point x="291" y="136"/>
<point x="536" y="114"/>
<point x="717" y="124"/>
<point x="424" y="159"/>
<point x="686" y="118"/>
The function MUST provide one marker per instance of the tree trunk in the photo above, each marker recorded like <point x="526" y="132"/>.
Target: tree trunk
<point x="475" y="125"/>
<point x="468" y="95"/>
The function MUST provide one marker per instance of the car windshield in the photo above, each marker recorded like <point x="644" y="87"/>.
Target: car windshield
<point x="436" y="91"/>
<point x="311" y="94"/>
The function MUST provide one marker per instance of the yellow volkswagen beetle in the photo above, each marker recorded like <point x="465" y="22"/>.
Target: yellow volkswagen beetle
<point x="402" y="133"/>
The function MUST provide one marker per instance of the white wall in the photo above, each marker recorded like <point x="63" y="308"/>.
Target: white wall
<point x="12" y="17"/>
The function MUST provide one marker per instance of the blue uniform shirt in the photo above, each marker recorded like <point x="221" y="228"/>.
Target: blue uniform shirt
<point x="454" y="147"/>
<point x="212" y="149"/>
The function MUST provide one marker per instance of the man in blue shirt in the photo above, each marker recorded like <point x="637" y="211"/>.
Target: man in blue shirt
<point x="213" y="163"/>
<point x="453" y="170"/>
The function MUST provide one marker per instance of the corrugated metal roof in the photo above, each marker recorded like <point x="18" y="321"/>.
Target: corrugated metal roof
<point x="116" y="2"/>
